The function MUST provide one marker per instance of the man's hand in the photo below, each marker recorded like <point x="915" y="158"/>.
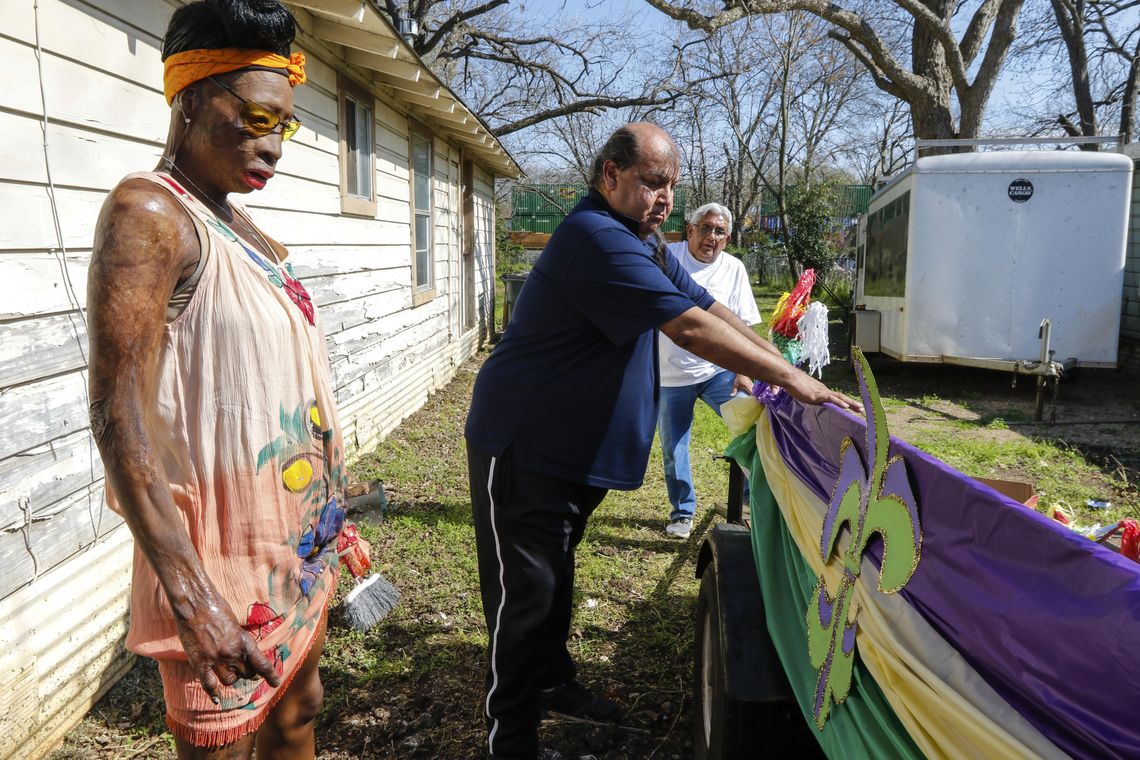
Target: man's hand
<point x="742" y="384"/>
<point x="219" y="649"/>
<point x="806" y="388"/>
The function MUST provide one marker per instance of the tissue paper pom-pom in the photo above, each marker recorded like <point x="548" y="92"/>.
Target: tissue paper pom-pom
<point x="790" y="310"/>
<point x="813" y="338"/>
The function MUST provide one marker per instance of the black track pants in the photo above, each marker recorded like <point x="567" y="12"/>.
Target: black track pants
<point x="527" y="526"/>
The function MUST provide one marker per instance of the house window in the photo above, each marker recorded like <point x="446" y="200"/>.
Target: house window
<point x="423" y="257"/>
<point x="357" y="149"/>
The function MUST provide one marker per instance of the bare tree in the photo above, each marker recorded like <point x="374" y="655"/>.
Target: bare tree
<point x="818" y="81"/>
<point x="944" y="100"/>
<point x="516" y="77"/>
<point x="1119" y="24"/>
<point x="830" y="83"/>
<point x="723" y="120"/>
<point x="1093" y="49"/>
<point x="877" y="142"/>
<point x="765" y="101"/>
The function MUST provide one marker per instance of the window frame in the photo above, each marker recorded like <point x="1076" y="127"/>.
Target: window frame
<point x="421" y="293"/>
<point x="351" y="203"/>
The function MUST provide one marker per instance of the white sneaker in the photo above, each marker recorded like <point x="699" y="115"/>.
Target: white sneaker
<point x="680" y="528"/>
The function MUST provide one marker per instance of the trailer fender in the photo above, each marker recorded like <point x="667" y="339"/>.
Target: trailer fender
<point x="753" y="672"/>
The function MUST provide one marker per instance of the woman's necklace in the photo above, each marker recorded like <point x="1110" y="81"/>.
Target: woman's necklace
<point x="228" y="213"/>
<point x="281" y="276"/>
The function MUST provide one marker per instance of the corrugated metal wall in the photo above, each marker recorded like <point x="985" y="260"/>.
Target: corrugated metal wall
<point x="1130" y="304"/>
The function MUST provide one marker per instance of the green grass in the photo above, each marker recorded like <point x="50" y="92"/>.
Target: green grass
<point x="1060" y="475"/>
<point x="500" y="299"/>
<point x="766" y="298"/>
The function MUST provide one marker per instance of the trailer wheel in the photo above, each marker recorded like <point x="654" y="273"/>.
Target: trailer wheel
<point x="724" y="729"/>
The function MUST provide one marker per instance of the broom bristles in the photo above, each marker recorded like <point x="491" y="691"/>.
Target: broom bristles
<point x="368" y="603"/>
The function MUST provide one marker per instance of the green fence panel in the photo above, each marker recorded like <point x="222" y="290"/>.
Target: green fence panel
<point x="541" y="208"/>
<point x="851" y="200"/>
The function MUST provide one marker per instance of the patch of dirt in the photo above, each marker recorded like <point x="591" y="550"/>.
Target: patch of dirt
<point x="425" y="699"/>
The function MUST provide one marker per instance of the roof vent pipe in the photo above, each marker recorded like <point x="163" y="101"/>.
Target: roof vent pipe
<point x="408" y="28"/>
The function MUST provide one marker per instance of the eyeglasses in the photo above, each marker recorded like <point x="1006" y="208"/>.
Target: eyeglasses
<point x="719" y="233"/>
<point x="258" y="120"/>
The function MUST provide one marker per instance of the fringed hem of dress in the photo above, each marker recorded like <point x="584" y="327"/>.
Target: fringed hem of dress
<point x="221" y="737"/>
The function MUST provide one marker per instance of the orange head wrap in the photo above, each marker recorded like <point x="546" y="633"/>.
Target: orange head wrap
<point x="185" y="68"/>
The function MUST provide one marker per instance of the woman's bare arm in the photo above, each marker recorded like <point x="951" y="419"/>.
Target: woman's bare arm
<point x="144" y="244"/>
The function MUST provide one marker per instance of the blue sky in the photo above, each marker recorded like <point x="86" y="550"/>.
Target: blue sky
<point x="1009" y="92"/>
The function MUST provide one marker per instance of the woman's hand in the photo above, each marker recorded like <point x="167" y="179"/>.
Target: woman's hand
<point x="742" y="384"/>
<point x="218" y="648"/>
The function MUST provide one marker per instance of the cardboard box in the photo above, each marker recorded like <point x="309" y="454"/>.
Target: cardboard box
<point x="1019" y="491"/>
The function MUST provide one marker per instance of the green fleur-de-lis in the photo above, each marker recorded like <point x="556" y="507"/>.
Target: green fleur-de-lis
<point x="879" y="502"/>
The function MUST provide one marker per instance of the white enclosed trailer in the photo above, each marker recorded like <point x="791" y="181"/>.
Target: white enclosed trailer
<point x="998" y="260"/>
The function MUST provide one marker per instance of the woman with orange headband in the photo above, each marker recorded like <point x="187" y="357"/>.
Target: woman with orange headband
<point x="211" y="402"/>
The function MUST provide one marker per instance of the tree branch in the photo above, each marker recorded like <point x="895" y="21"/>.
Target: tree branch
<point x="733" y="12"/>
<point x="458" y="18"/>
<point x="882" y="81"/>
<point x="977" y="30"/>
<point x="582" y="105"/>
<point x="974" y="100"/>
<point x="941" y="31"/>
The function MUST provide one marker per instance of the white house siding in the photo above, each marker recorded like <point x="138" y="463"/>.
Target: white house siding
<point x="484" y="257"/>
<point x="95" y="69"/>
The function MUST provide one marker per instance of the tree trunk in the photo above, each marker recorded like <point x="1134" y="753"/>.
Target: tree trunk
<point x="1072" y="27"/>
<point x="931" y="114"/>
<point x="933" y="120"/>
<point x="1131" y="93"/>
<point x="782" y="206"/>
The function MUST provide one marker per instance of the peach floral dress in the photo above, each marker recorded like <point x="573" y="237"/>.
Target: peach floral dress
<point x="244" y="422"/>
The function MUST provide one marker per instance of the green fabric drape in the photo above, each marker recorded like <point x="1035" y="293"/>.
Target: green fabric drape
<point x="864" y="726"/>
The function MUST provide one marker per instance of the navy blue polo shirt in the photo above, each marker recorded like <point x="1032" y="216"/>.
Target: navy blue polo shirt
<point x="573" y="384"/>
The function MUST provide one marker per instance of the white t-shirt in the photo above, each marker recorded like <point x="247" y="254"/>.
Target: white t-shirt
<point x="727" y="281"/>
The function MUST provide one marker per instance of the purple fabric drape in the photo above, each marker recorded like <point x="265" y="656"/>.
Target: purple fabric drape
<point x="1048" y="618"/>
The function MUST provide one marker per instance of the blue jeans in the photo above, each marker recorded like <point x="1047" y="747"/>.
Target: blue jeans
<point x="675" y="423"/>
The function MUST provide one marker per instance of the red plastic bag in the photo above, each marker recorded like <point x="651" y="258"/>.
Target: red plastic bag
<point x="1130" y="540"/>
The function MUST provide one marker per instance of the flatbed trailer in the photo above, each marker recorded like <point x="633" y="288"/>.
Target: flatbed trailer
<point x="1012" y="635"/>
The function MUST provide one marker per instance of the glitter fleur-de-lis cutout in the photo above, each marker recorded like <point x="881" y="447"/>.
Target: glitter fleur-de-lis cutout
<point x="867" y="503"/>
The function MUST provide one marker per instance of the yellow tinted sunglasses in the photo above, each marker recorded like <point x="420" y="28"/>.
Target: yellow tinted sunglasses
<point x="258" y="120"/>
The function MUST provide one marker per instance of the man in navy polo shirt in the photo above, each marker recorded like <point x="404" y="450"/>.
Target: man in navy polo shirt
<point x="565" y="409"/>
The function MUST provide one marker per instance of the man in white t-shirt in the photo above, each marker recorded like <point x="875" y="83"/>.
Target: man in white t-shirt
<point x="686" y="377"/>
